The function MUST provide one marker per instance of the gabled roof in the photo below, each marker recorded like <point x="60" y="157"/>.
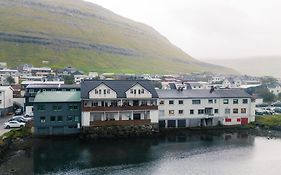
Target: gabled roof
<point x="119" y="86"/>
<point x="203" y="93"/>
<point x="58" y="96"/>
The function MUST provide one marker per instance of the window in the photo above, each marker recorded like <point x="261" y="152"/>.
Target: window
<point x="99" y="91"/>
<point x="69" y="118"/>
<point x="228" y="120"/>
<point x="53" y="118"/>
<point x="243" y="110"/>
<point x="70" y="107"/>
<point x="142" y="91"/>
<point x="196" y="102"/>
<point x="76" y="118"/>
<point x="139" y="91"/>
<point x="210" y="101"/>
<point x="180" y="111"/>
<point x="161" y="102"/>
<point x="131" y="91"/>
<point x="171" y="111"/>
<point x="75" y="107"/>
<point x="31" y="99"/>
<point x="238" y="119"/>
<point x="42" y="119"/>
<point x="104" y="91"/>
<point x="225" y="101"/>
<point x="216" y="111"/>
<point x="135" y="91"/>
<point x="227" y="111"/>
<point x="40" y="107"/>
<point x="56" y="107"/>
<point x="235" y="101"/>
<point x="171" y="102"/>
<point x="59" y="118"/>
<point x="191" y="111"/>
<point x="0" y="101"/>
<point x="215" y="100"/>
<point x="108" y="91"/>
<point x="200" y="111"/>
<point x="235" y="111"/>
<point x="96" y="91"/>
<point x="180" y="102"/>
<point x="245" y="101"/>
<point x="31" y="91"/>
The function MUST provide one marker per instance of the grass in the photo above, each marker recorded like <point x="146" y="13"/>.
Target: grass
<point x="16" y="133"/>
<point x="155" y="54"/>
<point x="268" y="121"/>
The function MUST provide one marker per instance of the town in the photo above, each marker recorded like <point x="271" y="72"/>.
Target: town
<point x="67" y="101"/>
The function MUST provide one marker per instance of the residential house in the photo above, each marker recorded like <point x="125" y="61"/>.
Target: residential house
<point x="118" y="102"/>
<point x="6" y="100"/>
<point x="194" y="108"/>
<point x="32" y="89"/>
<point x="57" y="112"/>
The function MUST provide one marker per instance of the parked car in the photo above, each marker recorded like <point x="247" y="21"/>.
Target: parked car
<point x="277" y="110"/>
<point x="259" y="111"/>
<point x="14" y="124"/>
<point x="18" y="112"/>
<point x="21" y="118"/>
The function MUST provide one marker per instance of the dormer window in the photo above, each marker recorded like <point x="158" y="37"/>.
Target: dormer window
<point x="139" y="91"/>
<point x="132" y="91"/>
<point x="142" y="91"/>
<point x="135" y="91"/>
<point x="108" y="91"/>
<point x="99" y="91"/>
<point x="96" y="91"/>
<point x="104" y="91"/>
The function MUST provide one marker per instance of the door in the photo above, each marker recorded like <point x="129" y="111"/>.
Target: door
<point x="244" y="121"/>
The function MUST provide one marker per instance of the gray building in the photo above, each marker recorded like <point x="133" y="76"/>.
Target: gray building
<point x="57" y="112"/>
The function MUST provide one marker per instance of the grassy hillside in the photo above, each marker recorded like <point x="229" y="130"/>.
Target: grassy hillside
<point x="88" y="37"/>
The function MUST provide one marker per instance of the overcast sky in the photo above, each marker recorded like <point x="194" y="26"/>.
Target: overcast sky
<point x="210" y="29"/>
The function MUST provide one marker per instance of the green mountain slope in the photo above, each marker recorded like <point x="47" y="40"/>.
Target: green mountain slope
<point x="88" y="37"/>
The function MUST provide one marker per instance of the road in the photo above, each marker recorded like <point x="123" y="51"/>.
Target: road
<point x="2" y="121"/>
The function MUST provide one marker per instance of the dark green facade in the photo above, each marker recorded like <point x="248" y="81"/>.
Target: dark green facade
<point x="57" y="118"/>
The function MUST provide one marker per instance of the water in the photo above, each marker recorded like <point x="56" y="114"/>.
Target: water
<point x="196" y="153"/>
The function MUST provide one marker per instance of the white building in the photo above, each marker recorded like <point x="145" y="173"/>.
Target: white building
<point x="6" y="100"/>
<point x="118" y="102"/>
<point x="193" y="108"/>
<point x="275" y="89"/>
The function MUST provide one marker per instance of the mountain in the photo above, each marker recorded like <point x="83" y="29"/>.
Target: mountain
<point x="88" y="37"/>
<point x="258" y="66"/>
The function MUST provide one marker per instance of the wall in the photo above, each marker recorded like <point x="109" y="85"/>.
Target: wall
<point x="102" y="87"/>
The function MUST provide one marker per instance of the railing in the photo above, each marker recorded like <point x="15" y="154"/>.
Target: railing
<point x="119" y="108"/>
<point x="119" y="122"/>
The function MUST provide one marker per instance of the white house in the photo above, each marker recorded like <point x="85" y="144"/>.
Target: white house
<point x="6" y="100"/>
<point x="118" y="102"/>
<point x="193" y="108"/>
<point x="275" y="89"/>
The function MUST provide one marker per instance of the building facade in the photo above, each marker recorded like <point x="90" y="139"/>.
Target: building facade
<point x="32" y="89"/>
<point x="57" y="113"/>
<point x="200" y="108"/>
<point x="118" y="102"/>
<point x="6" y="100"/>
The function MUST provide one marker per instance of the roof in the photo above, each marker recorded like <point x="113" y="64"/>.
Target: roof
<point x="119" y="86"/>
<point x="203" y="93"/>
<point x="52" y="86"/>
<point x="58" y="96"/>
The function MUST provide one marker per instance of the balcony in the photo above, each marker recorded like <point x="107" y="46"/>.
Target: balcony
<point x="119" y="122"/>
<point x="118" y="108"/>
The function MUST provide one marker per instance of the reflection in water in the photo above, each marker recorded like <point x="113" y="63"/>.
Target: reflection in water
<point x="129" y="156"/>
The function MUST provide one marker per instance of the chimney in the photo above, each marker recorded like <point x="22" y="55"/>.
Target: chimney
<point x="212" y="89"/>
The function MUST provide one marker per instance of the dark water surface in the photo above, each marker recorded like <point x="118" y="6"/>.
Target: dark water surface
<point x="196" y="153"/>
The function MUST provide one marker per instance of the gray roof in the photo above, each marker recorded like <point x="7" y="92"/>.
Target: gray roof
<point x="53" y="86"/>
<point x="119" y="86"/>
<point x="58" y="96"/>
<point x="203" y="93"/>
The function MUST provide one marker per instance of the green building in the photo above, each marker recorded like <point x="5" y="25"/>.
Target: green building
<point x="57" y="112"/>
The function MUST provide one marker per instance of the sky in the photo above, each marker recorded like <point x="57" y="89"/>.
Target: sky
<point x="210" y="29"/>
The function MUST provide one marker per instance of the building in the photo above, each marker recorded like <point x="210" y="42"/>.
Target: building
<point x="41" y="71"/>
<point x="6" y="100"/>
<point x="57" y="113"/>
<point x="193" y="108"/>
<point x="118" y="102"/>
<point x="32" y="89"/>
<point x="274" y="88"/>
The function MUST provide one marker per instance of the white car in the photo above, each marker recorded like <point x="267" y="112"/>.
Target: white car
<point x="14" y="124"/>
<point x="26" y="119"/>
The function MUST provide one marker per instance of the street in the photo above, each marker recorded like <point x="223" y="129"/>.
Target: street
<point x="2" y="121"/>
